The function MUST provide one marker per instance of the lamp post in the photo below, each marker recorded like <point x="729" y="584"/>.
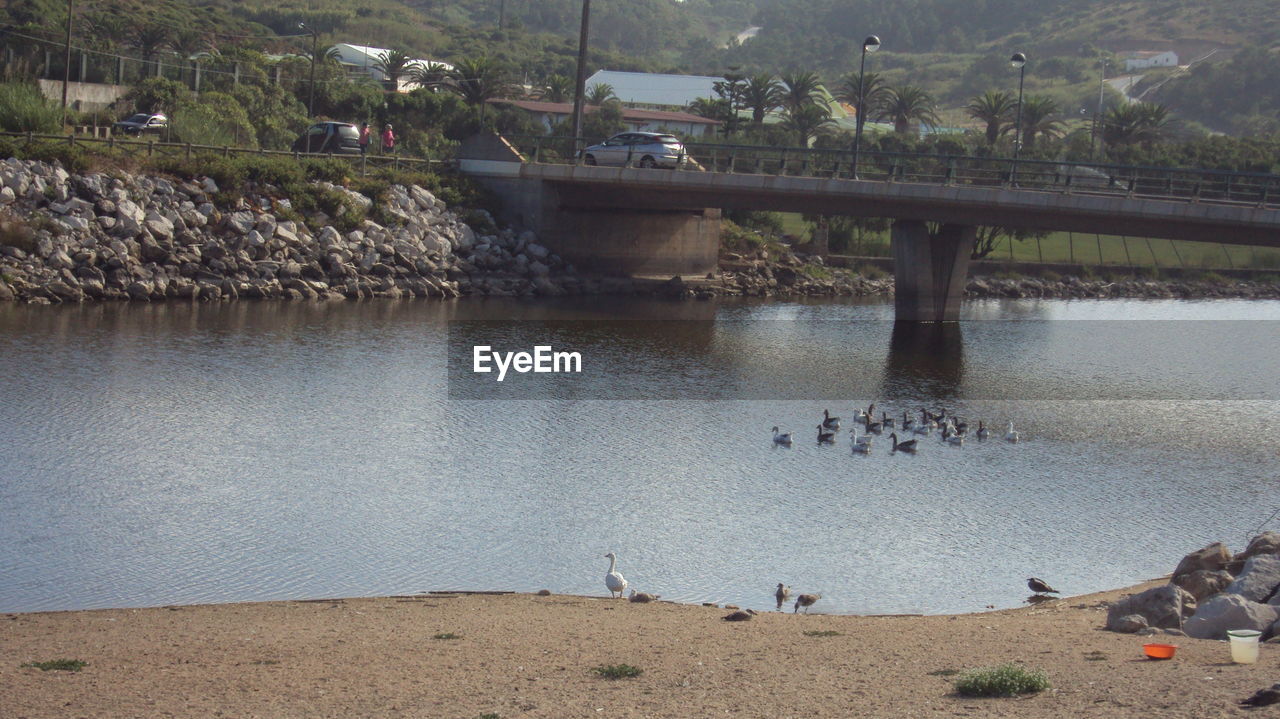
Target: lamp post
<point x="66" y="65"/>
<point x="871" y="44"/>
<point x="1097" y="116"/>
<point x="580" y="85"/>
<point x="1019" y="61"/>
<point x="315" y="40"/>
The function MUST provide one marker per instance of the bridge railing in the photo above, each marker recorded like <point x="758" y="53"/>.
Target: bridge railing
<point x="1193" y="185"/>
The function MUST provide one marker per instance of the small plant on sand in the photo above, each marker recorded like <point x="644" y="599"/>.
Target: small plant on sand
<point x="447" y="635"/>
<point x="944" y="672"/>
<point x="1006" y="680"/>
<point x="618" y="671"/>
<point x="1095" y="656"/>
<point x="61" y="665"/>
<point x="490" y="716"/>
<point x="822" y="633"/>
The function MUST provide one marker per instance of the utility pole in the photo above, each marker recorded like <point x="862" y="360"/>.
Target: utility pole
<point x="1097" y="116"/>
<point x="315" y="39"/>
<point x="66" y="65"/>
<point x="502" y="14"/>
<point x="580" y="88"/>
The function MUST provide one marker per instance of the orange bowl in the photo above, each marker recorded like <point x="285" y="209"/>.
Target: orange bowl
<point x="1159" y="651"/>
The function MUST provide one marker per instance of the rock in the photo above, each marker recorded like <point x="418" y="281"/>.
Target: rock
<point x="1214" y="557"/>
<point x="239" y="222"/>
<point x="1202" y="583"/>
<point x="140" y="291"/>
<point x="1160" y="606"/>
<point x="7" y="196"/>
<point x="6" y="292"/>
<point x="159" y="225"/>
<point x="208" y="185"/>
<point x="1265" y="543"/>
<point x="1259" y="578"/>
<point x="1130" y="624"/>
<point x="1229" y="611"/>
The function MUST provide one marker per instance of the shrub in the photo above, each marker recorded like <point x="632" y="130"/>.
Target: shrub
<point x="24" y="109"/>
<point x="217" y="120"/>
<point x="15" y="232"/>
<point x="72" y="159"/>
<point x="618" y="671"/>
<point x="1006" y="680"/>
<point x="871" y="272"/>
<point x="61" y="665"/>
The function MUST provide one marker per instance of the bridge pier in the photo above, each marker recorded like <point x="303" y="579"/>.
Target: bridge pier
<point x="930" y="270"/>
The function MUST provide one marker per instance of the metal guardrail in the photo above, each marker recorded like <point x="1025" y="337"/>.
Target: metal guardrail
<point x="153" y="148"/>
<point x="1192" y="185"/>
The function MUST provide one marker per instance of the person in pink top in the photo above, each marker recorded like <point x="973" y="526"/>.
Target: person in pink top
<point x="388" y="140"/>
<point x="365" y="134"/>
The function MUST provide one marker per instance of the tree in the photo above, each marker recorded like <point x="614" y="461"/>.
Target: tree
<point x="599" y="94"/>
<point x="151" y="40"/>
<point x="987" y="236"/>
<point x="807" y="121"/>
<point x="478" y="80"/>
<point x="429" y="74"/>
<point x="557" y="88"/>
<point x="799" y="89"/>
<point x="870" y="88"/>
<point x="395" y="64"/>
<point x="996" y="109"/>
<point x="1135" y="123"/>
<point x="906" y="104"/>
<point x="1038" y="119"/>
<point x="762" y="94"/>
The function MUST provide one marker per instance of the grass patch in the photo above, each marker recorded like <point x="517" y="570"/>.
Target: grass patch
<point x="490" y="716"/>
<point x="58" y="665"/>
<point x="266" y="662"/>
<point x="1095" y="656"/>
<point x="871" y="272"/>
<point x="816" y="272"/>
<point x="822" y="633"/>
<point x="618" y="671"/>
<point x="944" y="672"/>
<point x="447" y="635"/>
<point x="1006" y="680"/>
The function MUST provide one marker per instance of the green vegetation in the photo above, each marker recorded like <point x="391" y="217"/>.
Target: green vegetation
<point x="24" y="109"/>
<point x="447" y="635"/>
<point x="59" y="665"/>
<point x="944" y="672"/>
<point x="822" y="633"/>
<point x="618" y="671"/>
<point x="1006" y="680"/>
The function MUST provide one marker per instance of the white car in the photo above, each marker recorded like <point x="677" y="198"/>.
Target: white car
<point x="637" y="149"/>
<point x="143" y="122"/>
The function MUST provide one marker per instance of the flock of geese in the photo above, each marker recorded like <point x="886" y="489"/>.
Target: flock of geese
<point x="953" y="430"/>
<point x="617" y="585"/>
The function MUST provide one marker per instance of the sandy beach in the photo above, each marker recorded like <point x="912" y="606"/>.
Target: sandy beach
<point x="467" y="656"/>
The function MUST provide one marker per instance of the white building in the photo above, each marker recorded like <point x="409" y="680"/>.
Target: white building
<point x="360" y="60"/>
<point x="549" y="114"/>
<point x="644" y="89"/>
<point x="1141" y="59"/>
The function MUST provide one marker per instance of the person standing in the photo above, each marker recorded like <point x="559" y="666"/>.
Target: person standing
<point x="388" y="140"/>
<point x="365" y="134"/>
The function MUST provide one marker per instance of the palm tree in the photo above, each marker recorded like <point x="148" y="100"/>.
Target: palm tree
<point x="1135" y="122"/>
<point x="762" y="93"/>
<point x="557" y="88"/>
<point x="429" y="74"/>
<point x="600" y="93"/>
<point x="1038" y="113"/>
<point x="394" y="64"/>
<point x="906" y="104"/>
<point x="807" y="121"/>
<point x="710" y="108"/>
<point x="799" y="89"/>
<point x="150" y="41"/>
<point x="478" y="80"/>
<point x="873" y="95"/>
<point x="1155" y="122"/>
<point x="995" y="109"/>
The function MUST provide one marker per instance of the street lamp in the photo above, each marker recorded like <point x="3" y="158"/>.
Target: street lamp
<point x="1019" y="61"/>
<point x="315" y="40"/>
<point x="871" y="44"/>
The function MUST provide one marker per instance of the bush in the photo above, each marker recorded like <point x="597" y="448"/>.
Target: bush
<point x="61" y="665"/>
<point x="216" y="120"/>
<point x="618" y="671"/>
<point x="24" y="109"/>
<point x="1006" y="680"/>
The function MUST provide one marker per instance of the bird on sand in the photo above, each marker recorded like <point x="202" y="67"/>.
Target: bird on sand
<point x="1039" y="586"/>
<point x="643" y="597"/>
<point x="616" y="583"/>
<point x="806" y="601"/>
<point x="742" y="615"/>
<point x="782" y="594"/>
<point x="1262" y="697"/>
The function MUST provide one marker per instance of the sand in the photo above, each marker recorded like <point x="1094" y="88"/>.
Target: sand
<point x="521" y="655"/>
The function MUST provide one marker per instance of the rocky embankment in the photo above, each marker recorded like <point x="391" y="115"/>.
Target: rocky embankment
<point x="1211" y="591"/>
<point x="98" y="236"/>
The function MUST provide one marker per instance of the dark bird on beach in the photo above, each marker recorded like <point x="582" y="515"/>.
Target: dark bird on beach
<point x="806" y="601"/>
<point x="742" y="615"/>
<point x="1262" y="697"/>
<point x="1040" y="586"/>
<point x="782" y="594"/>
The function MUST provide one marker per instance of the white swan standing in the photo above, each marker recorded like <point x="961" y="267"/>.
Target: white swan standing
<point x="616" y="583"/>
<point x="1009" y="434"/>
<point x="781" y="437"/>
<point x="861" y="445"/>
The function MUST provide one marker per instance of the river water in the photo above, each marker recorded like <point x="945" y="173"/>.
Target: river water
<point x="173" y="453"/>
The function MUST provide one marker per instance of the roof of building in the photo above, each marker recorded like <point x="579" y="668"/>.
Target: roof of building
<point x="644" y="88"/>
<point x="367" y="56"/>
<point x="1142" y="54"/>
<point x="628" y="113"/>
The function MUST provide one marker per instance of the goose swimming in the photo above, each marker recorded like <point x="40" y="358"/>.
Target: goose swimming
<point x="887" y="421"/>
<point x="1009" y="434"/>
<point x="983" y="432"/>
<point x="955" y="440"/>
<point x="781" y="437"/>
<point x="826" y="435"/>
<point x="861" y="445"/>
<point x="830" y="422"/>
<point x="616" y="583"/>
<point x="907" y="446"/>
<point x="907" y="422"/>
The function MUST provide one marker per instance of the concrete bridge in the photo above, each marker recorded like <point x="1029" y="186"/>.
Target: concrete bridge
<point x="665" y="222"/>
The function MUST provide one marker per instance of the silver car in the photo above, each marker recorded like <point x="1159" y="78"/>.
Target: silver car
<point x="637" y="149"/>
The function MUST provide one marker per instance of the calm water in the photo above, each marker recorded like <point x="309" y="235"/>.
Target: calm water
<point x="167" y="454"/>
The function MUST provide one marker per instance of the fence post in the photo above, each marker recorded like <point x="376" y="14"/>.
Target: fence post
<point x="782" y="168"/>
<point x="1230" y="264"/>
<point x="188" y="151"/>
<point x="1174" y="245"/>
<point x="733" y="160"/>
<point x="1152" y="250"/>
<point x="1124" y="241"/>
<point x="1101" y="259"/>
<point x="151" y="147"/>
<point x="226" y="151"/>
<point x="1039" y="250"/>
<point x="1071" y="247"/>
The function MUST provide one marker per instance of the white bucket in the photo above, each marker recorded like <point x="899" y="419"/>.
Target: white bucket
<point x="1244" y="645"/>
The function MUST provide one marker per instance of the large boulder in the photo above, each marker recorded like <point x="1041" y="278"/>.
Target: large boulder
<point x="1163" y="607"/>
<point x="1265" y="543"/>
<point x="1203" y="584"/>
<point x="1259" y="578"/>
<point x="1212" y="558"/>
<point x="1229" y="611"/>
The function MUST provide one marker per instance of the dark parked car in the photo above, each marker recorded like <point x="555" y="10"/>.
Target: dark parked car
<point x="339" y="138"/>
<point x="142" y="122"/>
<point x="643" y="149"/>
